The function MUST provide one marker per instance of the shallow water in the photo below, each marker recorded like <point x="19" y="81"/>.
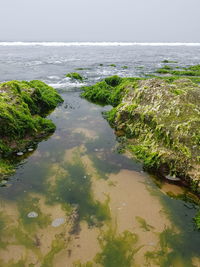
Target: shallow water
<point x="74" y="200"/>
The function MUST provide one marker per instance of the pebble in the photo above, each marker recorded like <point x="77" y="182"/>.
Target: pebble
<point x="57" y="222"/>
<point x="84" y="176"/>
<point x="32" y="214"/>
<point x="172" y="178"/>
<point x="3" y="182"/>
<point x="20" y="153"/>
<point x="30" y="149"/>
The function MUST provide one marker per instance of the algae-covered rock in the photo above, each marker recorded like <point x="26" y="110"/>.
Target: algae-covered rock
<point x="192" y="71"/>
<point x="23" y="106"/>
<point x="161" y="120"/>
<point x="109" y="91"/>
<point x="75" y="76"/>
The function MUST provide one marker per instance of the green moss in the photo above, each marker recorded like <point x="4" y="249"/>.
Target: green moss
<point x="112" y="65"/>
<point x="23" y="106"/>
<point x="110" y="115"/>
<point x="151" y="159"/>
<point x="124" y="67"/>
<point x="197" y="220"/>
<point x="159" y="133"/>
<point x="190" y="71"/>
<point x="113" y="80"/>
<point x="109" y="91"/>
<point x="6" y="168"/>
<point x="75" y="76"/>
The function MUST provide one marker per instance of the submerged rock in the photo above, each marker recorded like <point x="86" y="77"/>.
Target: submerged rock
<point x="20" y="153"/>
<point x="3" y="182"/>
<point x="172" y="178"/>
<point x="75" y="76"/>
<point x="57" y="222"/>
<point x="32" y="214"/>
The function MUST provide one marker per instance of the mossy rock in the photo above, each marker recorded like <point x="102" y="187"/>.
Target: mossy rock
<point x="160" y="119"/>
<point x="190" y="71"/>
<point x="109" y="91"/>
<point x="169" y="61"/>
<point x="23" y="106"/>
<point x="75" y="76"/>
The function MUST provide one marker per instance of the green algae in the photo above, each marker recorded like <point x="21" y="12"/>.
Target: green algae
<point x="31" y="224"/>
<point x="23" y="106"/>
<point x="166" y="255"/>
<point x="73" y="187"/>
<point x="117" y="249"/>
<point x="143" y="224"/>
<point x="11" y="263"/>
<point x="79" y="264"/>
<point x="197" y="220"/>
<point x="179" y="244"/>
<point x="103" y="167"/>
<point x="4" y="221"/>
<point x="189" y="71"/>
<point x="75" y="76"/>
<point x="112" y="65"/>
<point x="109" y="91"/>
<point x="164" y="136"/>
<point x="56" y="246"/>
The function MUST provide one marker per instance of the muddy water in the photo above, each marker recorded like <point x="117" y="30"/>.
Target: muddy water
<point x="75" y="201"/>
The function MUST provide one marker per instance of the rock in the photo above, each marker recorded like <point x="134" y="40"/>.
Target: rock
<point x="3" y="182"/>
<point x="172" y="178"/>
<point x="18" y="102"/>
<point x="20" y="153"/>
<point x="30" y="149"/>
<point x="32" y="214"/>
<point x="57" y="222"/>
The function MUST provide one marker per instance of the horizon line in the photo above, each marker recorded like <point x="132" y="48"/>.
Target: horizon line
<point x="94" y="43"/>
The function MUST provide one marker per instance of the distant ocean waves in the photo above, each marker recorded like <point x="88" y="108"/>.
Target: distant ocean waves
<point x="57" y="44"/>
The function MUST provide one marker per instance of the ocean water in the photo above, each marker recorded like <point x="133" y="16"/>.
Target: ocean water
<point x="74" y="200"/>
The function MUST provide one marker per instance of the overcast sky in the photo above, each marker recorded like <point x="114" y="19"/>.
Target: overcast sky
<point x="100" y="20"/>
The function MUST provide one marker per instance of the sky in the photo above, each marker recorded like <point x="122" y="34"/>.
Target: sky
<point x="100" y="20"/>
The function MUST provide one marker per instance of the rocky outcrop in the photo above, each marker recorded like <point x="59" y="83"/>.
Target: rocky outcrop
<point x="161" y="122"/>
<point x="23" y="106"/>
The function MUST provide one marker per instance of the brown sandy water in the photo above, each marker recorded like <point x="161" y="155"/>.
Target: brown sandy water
<point x="93" y="206"/>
